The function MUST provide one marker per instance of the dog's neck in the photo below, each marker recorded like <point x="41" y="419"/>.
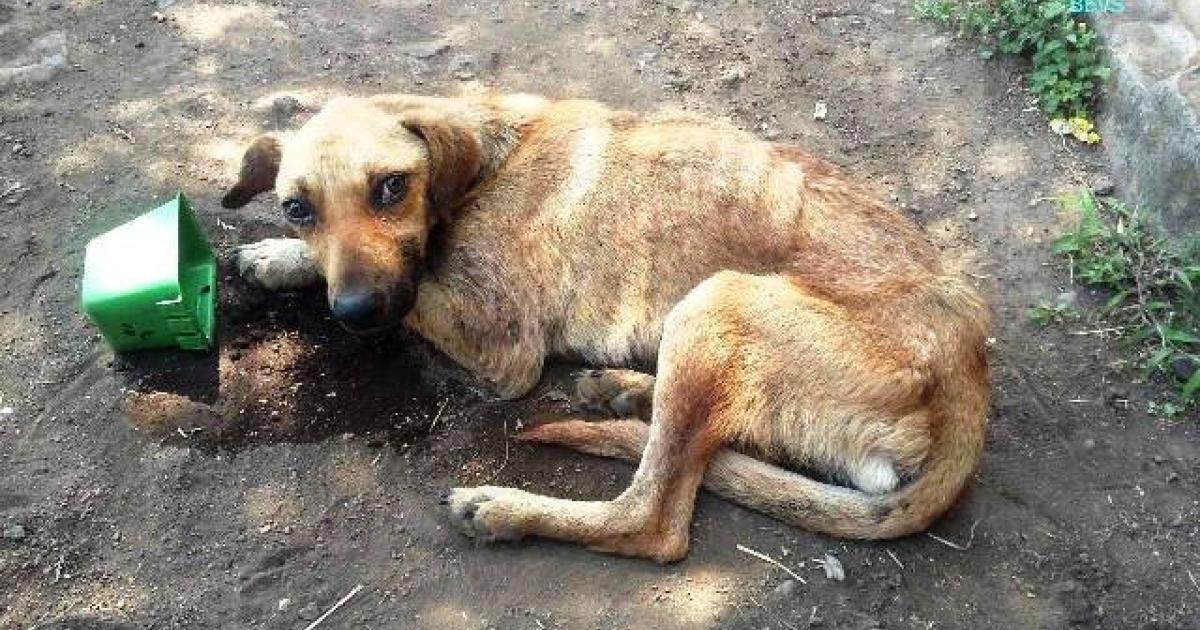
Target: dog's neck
<point x="501" y="122"/>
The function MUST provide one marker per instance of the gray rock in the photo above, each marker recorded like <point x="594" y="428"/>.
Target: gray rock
<point x="14" y="532"/>
<point x="426" y="49"/>
<point x="1151" y="121"/>
<point x="1184" y="367"/>
<point x="1104" y="186"/>
<point x="43" y="59"/>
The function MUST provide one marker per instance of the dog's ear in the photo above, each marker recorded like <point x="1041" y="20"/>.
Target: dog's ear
<point x="455" y="157"/>
<point x="260" y="165"/>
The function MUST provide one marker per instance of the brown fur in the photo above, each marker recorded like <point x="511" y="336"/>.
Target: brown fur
<point x="791" y="315"/>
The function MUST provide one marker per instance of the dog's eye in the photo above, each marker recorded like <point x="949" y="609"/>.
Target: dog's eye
<point x="299" y="212"/>
<point x="390" y="190"/>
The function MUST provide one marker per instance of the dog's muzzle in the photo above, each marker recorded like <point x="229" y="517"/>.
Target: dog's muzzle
<point x="370" y="310"/>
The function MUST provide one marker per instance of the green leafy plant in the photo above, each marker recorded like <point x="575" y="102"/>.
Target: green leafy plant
<point x="1043" y="313"/>
<point x="1154" y="298"/>
<point x="941" y="11"/>
<point x="1067" y="66"/>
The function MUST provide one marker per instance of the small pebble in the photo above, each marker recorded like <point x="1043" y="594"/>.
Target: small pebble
<point x="833" y="568"/>
<point x="309" y="612"/>
<point x="14" y="532"/>
<point x="732" y="76"/>
<point x="464" y="67"/>
<point x="786" y="589"/>
<point x="1103" y="186"/>
<point x="820" y="111"/>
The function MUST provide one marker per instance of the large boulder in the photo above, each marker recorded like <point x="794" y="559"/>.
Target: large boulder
<point x="1151" y="112"/>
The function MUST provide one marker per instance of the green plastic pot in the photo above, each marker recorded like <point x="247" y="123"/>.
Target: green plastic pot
<point x="152" y="282"/>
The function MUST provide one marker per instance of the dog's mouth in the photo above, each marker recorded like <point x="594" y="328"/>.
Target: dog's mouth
<point x="359" y="330"/>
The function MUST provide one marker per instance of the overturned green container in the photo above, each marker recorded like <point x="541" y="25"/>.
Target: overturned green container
<point x="152" y="282"/>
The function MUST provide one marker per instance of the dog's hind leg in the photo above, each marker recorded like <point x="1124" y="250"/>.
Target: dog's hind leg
<point x="277" y="264"/>
<point x="692" y="410"/>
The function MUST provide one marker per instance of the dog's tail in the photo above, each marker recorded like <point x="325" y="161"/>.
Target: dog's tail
<point x="960" y="398"/>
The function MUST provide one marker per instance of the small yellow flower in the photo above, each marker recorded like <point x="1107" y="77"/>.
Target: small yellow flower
<point x="1084" y="130"/>
<point x="1079" y="127"/>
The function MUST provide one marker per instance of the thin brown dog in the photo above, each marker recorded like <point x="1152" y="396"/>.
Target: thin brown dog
<point x="794" y="319"/>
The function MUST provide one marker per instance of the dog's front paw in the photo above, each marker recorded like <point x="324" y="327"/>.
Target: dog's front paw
<point x="620" y="393"/>
<point x="485" y="513"/>
<point x="277" y="264"/>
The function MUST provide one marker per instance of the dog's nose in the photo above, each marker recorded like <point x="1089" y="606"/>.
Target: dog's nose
<point x="357" y="308"/>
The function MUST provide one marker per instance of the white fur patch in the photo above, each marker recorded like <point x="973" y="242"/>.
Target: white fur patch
<point x="587" y="162"/>
<point x="875" y="475"/>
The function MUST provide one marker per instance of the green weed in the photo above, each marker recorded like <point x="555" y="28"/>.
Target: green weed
<point x="1044" y="313"/>
<point x="1067" y="65"/>
<point x="1153" y="285"/>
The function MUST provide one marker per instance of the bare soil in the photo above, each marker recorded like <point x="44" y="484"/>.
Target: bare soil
<point x="254" y="486"/>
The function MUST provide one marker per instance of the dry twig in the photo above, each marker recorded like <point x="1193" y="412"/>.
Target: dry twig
<point x="1098" y="331"/>
<point x="496" y="472"/>
<point x="769" y="560"/>
<point x="332" y="609"/>
<point x="121" y="133"/>
<point x="954" y="545"/>
<point x="437" y="416"/>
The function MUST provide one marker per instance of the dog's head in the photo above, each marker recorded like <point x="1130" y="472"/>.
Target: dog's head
<point x="365" y="182"/>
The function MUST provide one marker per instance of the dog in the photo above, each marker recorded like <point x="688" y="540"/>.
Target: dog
<point x="750" y="310"/>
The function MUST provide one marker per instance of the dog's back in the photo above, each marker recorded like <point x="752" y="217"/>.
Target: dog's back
<point x="615" y="216"/>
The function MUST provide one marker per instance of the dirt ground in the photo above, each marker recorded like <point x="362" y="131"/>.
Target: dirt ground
<point x="254" y="486"/>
